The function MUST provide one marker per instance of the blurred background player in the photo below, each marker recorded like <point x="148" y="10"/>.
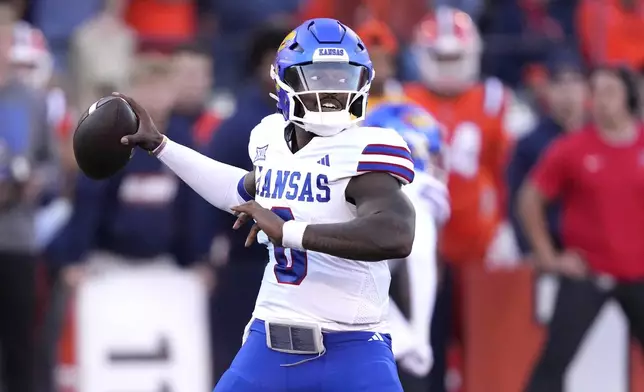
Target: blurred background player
<point x="383" y="50"/>
<point x="33" y="65"/>
<point x="313" y="164"/>
<point x="447" y="49"/>
<point x="192" y="80"/>
<point x="97" y="66"/>
<point x="29" y="168"/>
<point x="417" y="290"/>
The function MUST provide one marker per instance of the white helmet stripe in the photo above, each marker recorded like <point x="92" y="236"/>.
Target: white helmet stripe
<point x="445" y="21"/>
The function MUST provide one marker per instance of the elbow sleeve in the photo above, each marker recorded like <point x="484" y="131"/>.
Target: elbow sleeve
<point x="220" y="184"/>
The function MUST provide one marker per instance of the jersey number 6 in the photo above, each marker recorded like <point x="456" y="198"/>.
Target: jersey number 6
<point x="289" y="270"/>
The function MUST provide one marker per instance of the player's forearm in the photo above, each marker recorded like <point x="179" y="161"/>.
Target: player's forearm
<point x="532" y="215"/>
<point x="220" y="184"/>
<point x="375" y="237"/>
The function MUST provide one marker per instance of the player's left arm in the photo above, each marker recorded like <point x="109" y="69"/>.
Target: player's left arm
<point x="383" y="229"/>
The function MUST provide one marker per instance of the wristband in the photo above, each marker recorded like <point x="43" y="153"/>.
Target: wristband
<point x="293" y="234"/>
<point x="157" y="151"/>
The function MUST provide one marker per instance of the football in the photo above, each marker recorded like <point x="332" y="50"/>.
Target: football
<point x="97" y="139"/>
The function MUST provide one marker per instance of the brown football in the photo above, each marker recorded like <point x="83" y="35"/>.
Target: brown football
<point x="97" y="139"/>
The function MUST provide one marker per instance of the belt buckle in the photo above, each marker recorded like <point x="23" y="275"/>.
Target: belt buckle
<point x="294" y="337"/>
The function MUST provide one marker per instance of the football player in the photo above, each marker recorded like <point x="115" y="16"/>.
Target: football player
<point x="430" y="198"/>
<point x="325" y="197"/>
<point x="383" y="49"/>
<point x="447" y="50"/>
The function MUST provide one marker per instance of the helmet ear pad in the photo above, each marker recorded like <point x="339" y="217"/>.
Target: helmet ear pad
<point x="357" y="106"/>
<point x="298" y="110"/>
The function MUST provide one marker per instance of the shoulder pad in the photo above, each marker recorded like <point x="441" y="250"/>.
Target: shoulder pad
<point x="263" y="133"/>
<point x="382" y="150"/>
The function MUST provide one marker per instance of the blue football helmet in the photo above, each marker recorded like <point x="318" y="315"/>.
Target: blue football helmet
<point x="421" y="131"/>
<point x="323" y="74"/>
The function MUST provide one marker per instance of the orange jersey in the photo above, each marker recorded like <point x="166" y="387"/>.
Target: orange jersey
<point x="477" y="145"/>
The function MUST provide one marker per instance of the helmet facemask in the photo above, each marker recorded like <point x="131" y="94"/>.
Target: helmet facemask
<point x="325" y="98"/>
<point x="449" y="68"/>
<point x="447" y="49"/>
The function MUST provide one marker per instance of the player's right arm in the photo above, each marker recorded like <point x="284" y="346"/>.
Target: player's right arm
<point x="224" y="186"/>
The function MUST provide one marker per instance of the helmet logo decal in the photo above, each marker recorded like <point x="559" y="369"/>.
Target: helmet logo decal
<point x="330" y="54"/>
<point x="418" y="120"/>
<point x="288" y="40"/>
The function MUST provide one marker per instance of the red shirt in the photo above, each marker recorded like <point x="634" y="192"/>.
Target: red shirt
<point x="601" y="189"/>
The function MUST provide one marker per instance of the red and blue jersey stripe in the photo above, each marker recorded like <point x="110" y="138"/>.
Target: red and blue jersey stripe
<point x="385" y="158"/>
<point x="387" y="150"/>
<point x="241" y="190"/>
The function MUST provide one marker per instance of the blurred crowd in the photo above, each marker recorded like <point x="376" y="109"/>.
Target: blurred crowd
<point x="509" y="79"/>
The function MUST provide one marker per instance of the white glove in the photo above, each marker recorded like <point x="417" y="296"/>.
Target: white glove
<point x="418" y="361"/>
<point x="410" y="348"/>
<point x="402" y="336"/>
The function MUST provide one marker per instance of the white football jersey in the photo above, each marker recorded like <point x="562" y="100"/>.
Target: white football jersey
<point x="309" y="186"/>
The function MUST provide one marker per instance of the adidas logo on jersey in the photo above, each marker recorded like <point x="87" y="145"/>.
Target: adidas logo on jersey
<point x="376" y="338"/>
<point x="324" y="161"/>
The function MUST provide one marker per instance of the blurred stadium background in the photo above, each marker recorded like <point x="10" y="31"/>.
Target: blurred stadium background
<point x="135" y="284"/>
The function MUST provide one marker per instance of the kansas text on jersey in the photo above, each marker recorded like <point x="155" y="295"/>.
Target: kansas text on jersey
<point x="309" y="185"/>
